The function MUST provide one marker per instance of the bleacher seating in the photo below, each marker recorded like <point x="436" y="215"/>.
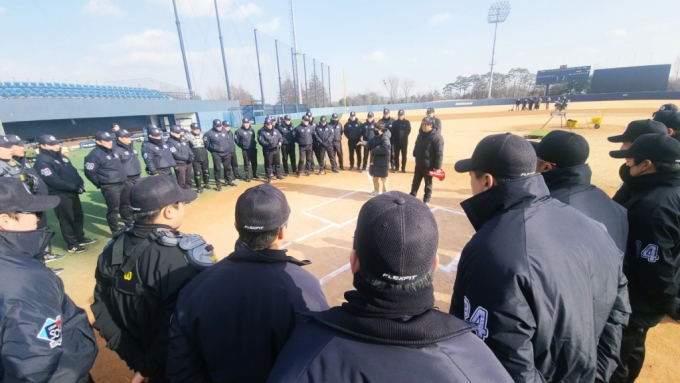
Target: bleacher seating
<point x="19" y="89"/>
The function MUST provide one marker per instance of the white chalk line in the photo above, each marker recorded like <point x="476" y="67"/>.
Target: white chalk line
<point x="334" y="274"/>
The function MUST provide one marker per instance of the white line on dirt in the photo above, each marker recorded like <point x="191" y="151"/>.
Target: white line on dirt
<point x="334" y="274"/>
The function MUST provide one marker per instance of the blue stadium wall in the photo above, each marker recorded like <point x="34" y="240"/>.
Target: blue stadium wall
<point x="74" y="128"/>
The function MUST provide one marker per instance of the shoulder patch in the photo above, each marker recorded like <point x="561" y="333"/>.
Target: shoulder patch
<point x="64" y="159"/>
<point x="89" y="166"/>
<point x="51" y="331"/>
<point x="46" y="172"/>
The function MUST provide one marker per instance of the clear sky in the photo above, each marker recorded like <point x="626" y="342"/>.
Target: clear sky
<point x="428" y="41"/>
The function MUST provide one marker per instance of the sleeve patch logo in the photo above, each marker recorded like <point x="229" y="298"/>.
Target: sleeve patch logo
<point x="46" y="172"/>
<point x="173" y="149"/>
<point x="89" y="166"/>
<point x="65" y="160"/>
<point x="144" y="155"/>
<point x="51" y="331"/>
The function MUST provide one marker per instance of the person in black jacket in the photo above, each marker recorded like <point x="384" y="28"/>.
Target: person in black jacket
<point x="270" y="140"/>
<point x="45" y="336"/>
<point x="232" y="321"/>
<point x="63" y="180"/>
<point x="400" y="132"/>
<point x="652" y="260"/>
<point x="536" y="272"/>
<point x="220" y="143"/>
<point x="671" y="119"/>
<point x="246" y="140"/>
<point x="105" y="170"/>
<point x="562" y="162"/>
<point x="517" y="104"/>
<point x="323" y="137"/>
<point x="304" y="136"/>
<point x="140" y="273"/>
<point x="125" y="149"/>
<point x="200" y="163"/>
<point x="156" y="153"/>
<point x="429" y="154"/>
<point x="181" y="152"/>
<point x="367" y="132"/>
<point x="337" y="140"/>
<point x="634" y="130"/>
<point x="388" y="121"/>
<point x="524" y="103"/>
<point x="388" y="330"/>
<point x="353" y="132"/>
<point x="287" y="131"/>
<point x="379" y="146"/>
<point x="437" y="122"/>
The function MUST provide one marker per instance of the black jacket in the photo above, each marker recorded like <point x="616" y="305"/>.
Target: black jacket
<point x="400" y="131"/>
<point x="57" y="171"/>
<point x="232" y="321"/>
<point x="103" y="167"/>
<point x="429" y="150"/>
<point x="245" y="138"/>
<point x="128" y="156"/>
<point x="652" y="261"/>
<point x="337" y="130"/>
<point x="354" y="130"/>
<point x="388" y="123"/>
<point x="304" y="135"/>
<point x="135" y="325"/>
<point x="157" y="155"/>
<point x="336" y="346"/>
<point x="323" y="135"/>
<point x="269" y="139"/>
<point x="198" y="147"/>
<point x="536" y="273"/>
<point x="181" y="151"/>
<point x="572" y="186"/>
<point x="220" y="142"/>
<point x="45" y="337"/>
<point x="40" y="187"/>
<point x="287" y="133"/>
<point x="367" y="130"/>
<point x="380" y="150"/>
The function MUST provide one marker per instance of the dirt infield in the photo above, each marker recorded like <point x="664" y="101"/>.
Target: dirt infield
<point x="324" y="211"/>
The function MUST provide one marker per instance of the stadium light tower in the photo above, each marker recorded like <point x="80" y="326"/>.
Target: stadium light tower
<point x="498" y="13"/>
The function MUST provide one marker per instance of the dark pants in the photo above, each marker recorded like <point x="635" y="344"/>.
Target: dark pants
<point x="418" y="175"/>
<point x="288" y="152"/>
<point x="183" y="173"/>
<point x="249" y="159"/>
<point x="367" y="153"/>
<point x="323" y="150"/>
<point x="125" y="205"/>
<point x="272" y="162"/>
<point x="305" y="155"/>
<point x="337" y="151"/>
<point x="632" y="354"/>
<point x="221" y="159"/>
<point x="234" y="165"/>
<point x="354" y="148"/>
<point x="201" y="171"/>
<point x="317" y="154"/>
<point x="112" y="195"/>
<point x="517" y="106"/>
<point x="70" y="215"/>
<point x="400" y="150"/>
<point x="164" y="172"/>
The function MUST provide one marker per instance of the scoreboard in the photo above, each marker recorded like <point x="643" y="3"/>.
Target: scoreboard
<point x="563" y="75"/>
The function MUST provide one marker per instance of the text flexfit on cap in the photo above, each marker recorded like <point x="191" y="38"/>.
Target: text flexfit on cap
<point x="501" y="155"/>
<point x="656" y="147"/>
<point x="396" y="238"/>
<point x="261" y="208"/>
<point x="103" y="136"/>
<point x="637" y="128"/>
<point x="564" y="149"/>
<point x="154" y="193"/>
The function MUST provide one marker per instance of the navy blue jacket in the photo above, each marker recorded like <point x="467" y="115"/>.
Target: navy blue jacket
<point x="354" y="130"/>
<point x="335" y="346"/>
<point x="128" y="156"/>
<point x="380" y="150"/>
<point x="323" y="135"/>
<point x="429" y="150"/>
<point x="157" y="155"/>
<point x="400" y="131"/>
<point x="367" y="130"/>
<point x="337" y="130"/>
<point x="537" y="272"/>
<point x="219" y="142"/>
<point x="245" y="138"/>
<point x="269" y="139"/>
<point x="103" y="167"/>
<point x="232" y="321"/>
<point x="287" y="133"/>
<point x="181" y="151"/>
<point x="45" y="337"/>
<point x="304" y="135"/>
<point x="57" y="171"/>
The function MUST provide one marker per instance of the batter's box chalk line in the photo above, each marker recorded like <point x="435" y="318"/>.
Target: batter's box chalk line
<point x="449" y="268"/>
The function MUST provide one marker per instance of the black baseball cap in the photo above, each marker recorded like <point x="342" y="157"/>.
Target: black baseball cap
<point x="217" y="123"/>
<point x="153" y="131"/>
<point x="352" y="114"/>
<point x="658" y="147"/>
<point x="670" y="118"/>
<point x="15" y="140"/>
<point x="155" y="193"/>
<point x="195" y="126"/>
<point x="48" y="139"/>
<point x="334" y="116"/>
<point x="123" y="133"/>
<point x="245" y="121"/>
<point x="309" y="113"/>
<point x="637" y="128"/>
<point x="103" y="136"/>
<point x="305" y="118"/>
<point x="564" y="149"/>
<point x="501" y="155"/>
<point x="261" y="208"/>
<point x="176" y="129"/>
<point x="401" y="112"/>
<point x="15" y="197"/>
<point x="430" y="110"/>
<point x="5" y="142"/>
<point x="386" y="111"/>
<point x="286" y="118"/>
<point x="322" y="119"/>
<point x="672" y="107"/>
<point x="226" y="124"/>
<point x="396" y="238"/>
<point x="370" y="114"/>
<point x="428" y="121"/>
<point x="268" y="121"/>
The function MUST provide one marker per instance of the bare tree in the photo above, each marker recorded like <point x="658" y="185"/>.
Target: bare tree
<point x="316" y="92"/>
<point x="392" y="84"/>
<point x="241" y="94"/>
<point x="407" y="87"/>
<point x="288" y="88"/>
<point x="216" y="93"/>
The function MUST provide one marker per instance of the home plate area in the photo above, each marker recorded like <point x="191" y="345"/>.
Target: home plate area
<point x="330" y="235"/>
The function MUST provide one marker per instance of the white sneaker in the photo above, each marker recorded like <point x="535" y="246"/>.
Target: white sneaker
<point x="374" y="193"/>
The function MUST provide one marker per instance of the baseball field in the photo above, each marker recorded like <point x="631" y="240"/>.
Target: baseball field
<point x="325" y="208"/>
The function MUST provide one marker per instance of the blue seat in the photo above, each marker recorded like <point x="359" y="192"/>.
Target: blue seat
<point x="7" y="83"/>
<point x="33" y="84"/>
<point x="24" y="83"/>
<point x="41" y="84"/>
